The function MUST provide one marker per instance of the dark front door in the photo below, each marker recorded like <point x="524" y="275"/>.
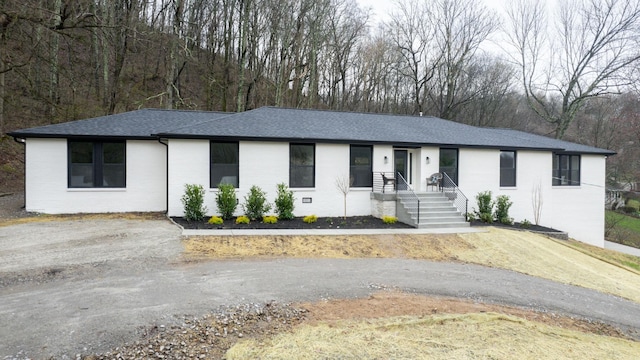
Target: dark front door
<point x="400" y="167"/>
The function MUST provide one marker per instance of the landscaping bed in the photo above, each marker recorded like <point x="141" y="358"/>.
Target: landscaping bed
<point x="538" y="229"/>
<point x="350" y="222"/>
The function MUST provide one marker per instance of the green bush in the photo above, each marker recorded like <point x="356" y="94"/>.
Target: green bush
<point x="255" y="203"/>
<point x="634" y="204"/>
<point x="226" y="200"/>
<point x="485" y="207"/>
<point x="270" y="219"/>
<point x="502" y="209"/>
<point x="389" y="219"/>
<point x="242" y="220"/>
<point x="284" y="202"/>
<point x="629" y="209"/>
<point x="216" y="220"/>
<point x="310" y="219"/>
<point x="193" y="201"/>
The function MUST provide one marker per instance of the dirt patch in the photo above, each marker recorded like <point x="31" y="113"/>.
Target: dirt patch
<point x="213" y="335"/>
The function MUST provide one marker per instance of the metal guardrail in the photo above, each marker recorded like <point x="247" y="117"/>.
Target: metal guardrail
<point x="403" y="187"/>
<point x="453" y="193"/>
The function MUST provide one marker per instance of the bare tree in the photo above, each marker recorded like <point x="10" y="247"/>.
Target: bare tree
<point x="593" y="42"/>
<point x="343" y="184"/>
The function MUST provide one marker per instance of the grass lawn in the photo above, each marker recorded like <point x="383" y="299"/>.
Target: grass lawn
<point x="625" y="229"/>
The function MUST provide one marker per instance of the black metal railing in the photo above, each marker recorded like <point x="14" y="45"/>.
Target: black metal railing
<point x="453" y="193"/>
<point x="409" y="196"/>
<point x="384" y="182"/>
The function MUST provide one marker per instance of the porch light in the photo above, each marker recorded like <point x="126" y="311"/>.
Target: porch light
<point x="428" y="160"/>
<point x="386" y="159"/>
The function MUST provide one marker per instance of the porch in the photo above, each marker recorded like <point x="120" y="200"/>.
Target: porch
<point x="440" y="205"/>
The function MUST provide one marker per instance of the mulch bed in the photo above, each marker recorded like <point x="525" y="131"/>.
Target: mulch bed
<point x="517" y="226"/>
<point x="351" y="222"/>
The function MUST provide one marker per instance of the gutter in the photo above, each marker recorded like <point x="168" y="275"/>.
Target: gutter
<point x="166" y="175"/>
<point x="23" y="141"/>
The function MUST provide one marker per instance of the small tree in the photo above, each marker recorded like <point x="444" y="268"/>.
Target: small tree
<point x="255" y="203"/>
<point x="485" y="207"/>
<point x="226" y="200"/>
<point x="536" y="202"/>
<point x="502" y="209"/>
<point x="284" y="202"/>
<point x="343" y="184"/>
<point x="193" y="201"/>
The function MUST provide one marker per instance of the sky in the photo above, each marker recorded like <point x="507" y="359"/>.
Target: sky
<point x="382" y="7"/>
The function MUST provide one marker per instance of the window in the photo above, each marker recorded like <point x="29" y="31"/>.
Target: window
<point x="449" y="163"/>
<point x="566" y="170"/>
<point x="224" y="164"/>
<point x="96" y="164"/>
<point x="360" y="168"/>
<point x="302" y="165"/>
<point x="507" y="168"/>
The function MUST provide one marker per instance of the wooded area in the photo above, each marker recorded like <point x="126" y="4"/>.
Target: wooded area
<point x="570" y="71"/>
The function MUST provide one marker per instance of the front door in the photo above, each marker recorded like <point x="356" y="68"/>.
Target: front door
<point x="400" y="167"/>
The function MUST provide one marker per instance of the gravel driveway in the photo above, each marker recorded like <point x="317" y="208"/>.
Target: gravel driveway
<point x="68" y="288"/>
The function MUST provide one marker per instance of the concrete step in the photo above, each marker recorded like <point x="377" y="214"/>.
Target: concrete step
<point x="442" y="225"/>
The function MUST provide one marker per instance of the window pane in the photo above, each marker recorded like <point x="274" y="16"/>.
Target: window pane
<point x="224" y="164"/>
<point x="507" y="168"/>
<point x="302" y="165"/>
<point x="81" y="152"/>
<point x="113" y="175"/>
<point x="566" y="170"/>
<point x="449" y="163"/>
<point x="360" y="169"/>
<point x="113" y="153"/>
<point x="81" y="166"/>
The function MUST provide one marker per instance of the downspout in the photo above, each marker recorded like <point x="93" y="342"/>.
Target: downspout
<point x="166" y="175"/>
<point x="23" y="141"/>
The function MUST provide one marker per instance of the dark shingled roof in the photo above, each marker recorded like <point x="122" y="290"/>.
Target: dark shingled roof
<point x="271" y="123"/>
<point x="139" y="124"/>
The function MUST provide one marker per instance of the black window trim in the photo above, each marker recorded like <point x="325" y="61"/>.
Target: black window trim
<point x="97" y="163"/>
<point x="515" y="169"/>
<point x="556" y="179"/>
<point x="237" y="143"/>
<point x="313" y="185"/>
<point x="370" y="147"/>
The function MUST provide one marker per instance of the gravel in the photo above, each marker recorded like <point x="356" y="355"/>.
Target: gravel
<point x="72" y="289"/>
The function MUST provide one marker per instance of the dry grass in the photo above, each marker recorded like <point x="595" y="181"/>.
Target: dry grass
<point x="440" y="336"/>
<point x="514" y="250"/>
<point x="434" y="247"/>
<point x="543" y="257"/>
<point x="89" y="217"/>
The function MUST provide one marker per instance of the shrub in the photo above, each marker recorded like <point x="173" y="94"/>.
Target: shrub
<point x="271" y="219"/>
<point x="310" y="219"/>
<point x="502" y="209"/>
<point x="284" y="202"/>
<point x="634" y="204"/>
<point x="255" y="203"/>
<point x="629" y="209"/>
<point x="389" y="219"/>
<point x="193" y="201"/>
<point x="485" y="207"/>
<point x="226" y="200"/>
<point x="525" y="224"/>
<point x="242" y="220"/>
<point x="216" y="220"/>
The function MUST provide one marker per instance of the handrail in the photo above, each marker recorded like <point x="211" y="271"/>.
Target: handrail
<point x="453" y="193"/>
<point x="403" y="186"/>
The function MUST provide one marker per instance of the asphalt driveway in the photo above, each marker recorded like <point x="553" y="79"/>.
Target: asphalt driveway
<point x="67" y="288"/>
